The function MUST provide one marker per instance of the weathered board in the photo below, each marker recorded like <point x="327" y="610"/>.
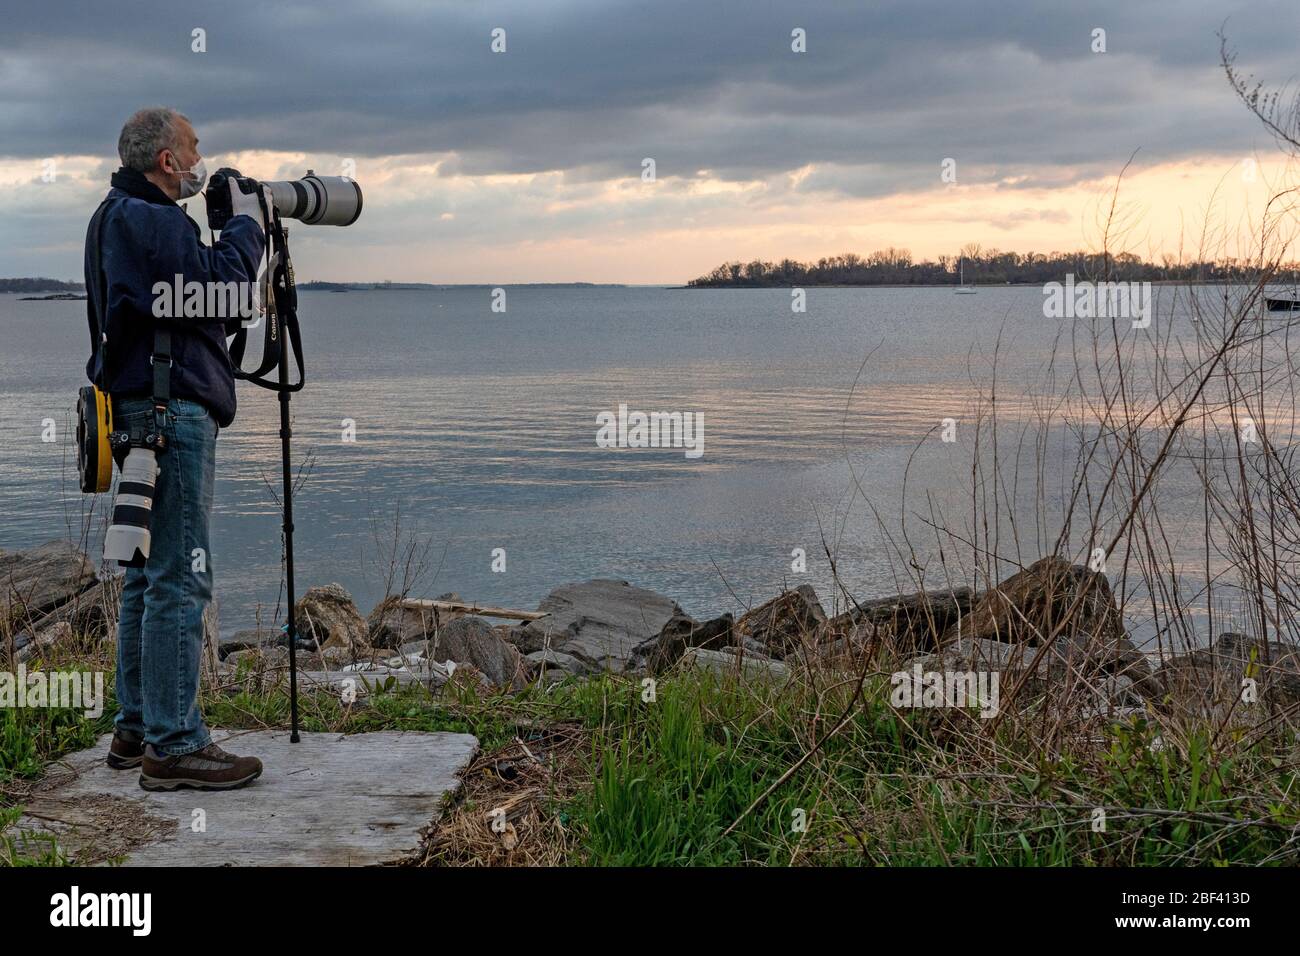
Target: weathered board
<point x="457" y="608"/>
<point x="329" y="800"/>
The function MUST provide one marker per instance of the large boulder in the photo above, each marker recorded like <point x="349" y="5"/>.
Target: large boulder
<point x="1211" y="680"/>
<point x="907" y="623"/>
<point x="600" y="622"/>
<point x="785" y="623"/>
<point x="681" y="632"/>
<point x="472" y="640"/>
<point x="1028" y="607"/>
<point x="327" y="615"/>
<point x="36" y="581"/>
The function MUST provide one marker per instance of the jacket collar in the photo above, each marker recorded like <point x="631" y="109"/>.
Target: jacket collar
<point x="134" y="184"/>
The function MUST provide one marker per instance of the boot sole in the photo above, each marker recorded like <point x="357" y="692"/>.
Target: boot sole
<point x="124" y="763"/>
<point x="192" y="783"/>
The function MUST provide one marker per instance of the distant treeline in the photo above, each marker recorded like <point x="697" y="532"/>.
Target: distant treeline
<point x="40" y="285"/>
<point x="895" y="267"/>
<point x="320" y="285"/>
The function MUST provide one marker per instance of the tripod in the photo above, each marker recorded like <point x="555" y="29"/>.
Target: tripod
<point x="281" y="320"/>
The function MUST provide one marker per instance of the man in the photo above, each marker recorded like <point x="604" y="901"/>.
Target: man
<point x="138" y="237"/>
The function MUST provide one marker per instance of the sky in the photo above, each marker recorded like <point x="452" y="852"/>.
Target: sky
<point x="529" y="165"/>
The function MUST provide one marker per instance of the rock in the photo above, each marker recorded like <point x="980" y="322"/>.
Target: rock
<point x="1028" y="606"/>
<point x="267" y="655"/>
<point x="1042" y="593"/>
<point x="326" y="615"/>
<point x="390" y="625"/>
<point x="465" y="640"/>
<point x="92" y="613"/>
<point x="551" y="667"/>
<point x="749" y="649"/>
<point x="600" y="622"/>
<point x="722" y="663"/>
<point x="35" y="582"/>
<point x="1209" y="680"/>
<point x="1058" y="680"/>
<point x="554" y="661"/>
<point x="908" y="623"/>
<point x="666" y="648"/>
<point x="982" y="654"/>
<point x="472" y="640"/>
<point x="413" y="650"/>
<point x="56" y="636"/>
<point x="245" y="641"/>
<point x="1117" y="693"/>
<point x="784" y="623"/>
<point x="276" y="656"/>
<point x="327" y="658"/>
<point x="360" y="680"/>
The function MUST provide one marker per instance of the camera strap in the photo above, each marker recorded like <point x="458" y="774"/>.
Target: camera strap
<point x="97" y="297"/>
<point x="162" y="373"/>
<point x="281" y="318"/>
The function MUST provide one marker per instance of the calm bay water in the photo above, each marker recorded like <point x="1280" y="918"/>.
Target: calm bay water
<point x="478" y="430"/>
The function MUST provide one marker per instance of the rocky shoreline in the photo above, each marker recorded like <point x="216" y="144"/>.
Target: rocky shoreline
<point x="52" y="603"/>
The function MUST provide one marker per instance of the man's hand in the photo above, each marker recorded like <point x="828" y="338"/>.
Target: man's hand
<point x="247" y="203"/>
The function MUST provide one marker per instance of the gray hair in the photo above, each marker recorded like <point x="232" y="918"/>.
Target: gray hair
<point x="145" y="133"/>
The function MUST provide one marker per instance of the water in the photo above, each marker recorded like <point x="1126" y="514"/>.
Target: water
<point x="476" y="431"/>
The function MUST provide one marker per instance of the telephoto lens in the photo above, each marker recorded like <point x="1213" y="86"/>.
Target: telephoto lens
<point x="317" y="200"/>
<point x="127" y="541"/>
<point x="314" y="200"/>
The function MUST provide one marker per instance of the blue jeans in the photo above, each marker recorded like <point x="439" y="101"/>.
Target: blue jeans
<point x="160" y="622"/>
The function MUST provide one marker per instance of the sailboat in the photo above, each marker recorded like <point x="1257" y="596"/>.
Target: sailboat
<point x="962" y="287"/>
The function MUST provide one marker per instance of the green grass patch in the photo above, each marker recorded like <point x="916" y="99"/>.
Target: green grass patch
<point x="666" y="778"/>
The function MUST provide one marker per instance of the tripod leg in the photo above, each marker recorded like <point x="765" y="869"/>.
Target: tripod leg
<point x="288" y="547"/>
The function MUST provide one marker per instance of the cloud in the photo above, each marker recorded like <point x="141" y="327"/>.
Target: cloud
<point x="588" y="88"/>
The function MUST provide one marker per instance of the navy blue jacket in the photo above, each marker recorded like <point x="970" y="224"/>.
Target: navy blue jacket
<point x="145" y="238"/>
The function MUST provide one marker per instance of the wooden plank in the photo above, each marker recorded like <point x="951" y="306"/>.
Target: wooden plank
<point x="459" y="607"/>
<point x="330" y="800"/>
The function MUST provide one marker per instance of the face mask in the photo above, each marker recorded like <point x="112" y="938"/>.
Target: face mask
<point x="191" y="187"/>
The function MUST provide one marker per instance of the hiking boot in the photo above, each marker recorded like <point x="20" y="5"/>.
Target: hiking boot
<point x="126" y="751"/>
<point x="208" y="769"/>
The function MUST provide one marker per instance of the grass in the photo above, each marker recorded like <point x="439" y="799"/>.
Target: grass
<point x="686" y="777"/>
<point x="671" y="781"/>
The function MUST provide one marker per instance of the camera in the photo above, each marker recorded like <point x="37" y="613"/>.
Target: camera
<point x="314" y="200"/>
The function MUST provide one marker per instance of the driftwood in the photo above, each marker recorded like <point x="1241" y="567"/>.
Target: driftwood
<point x="456" y="608"/>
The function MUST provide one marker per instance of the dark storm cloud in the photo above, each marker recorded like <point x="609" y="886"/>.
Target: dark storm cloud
<point x="592" y="87"/>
